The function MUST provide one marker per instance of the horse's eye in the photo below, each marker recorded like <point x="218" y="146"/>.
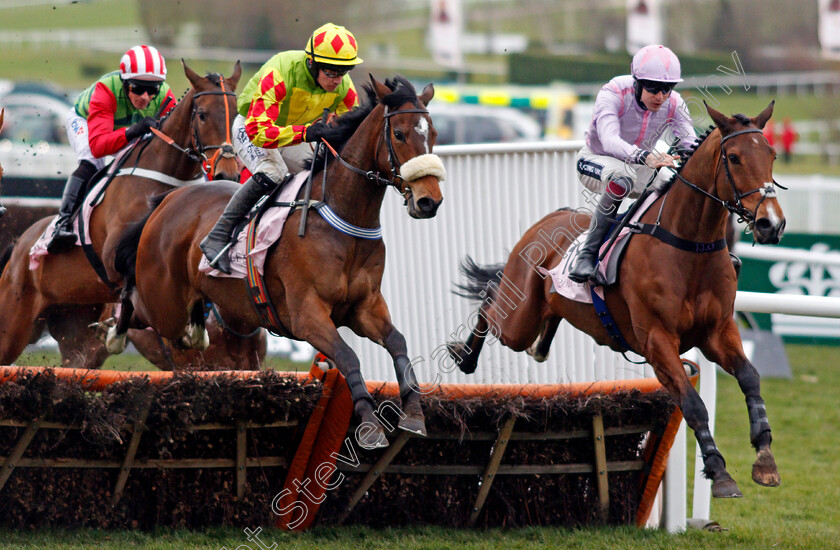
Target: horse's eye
<point x="399" y="135"/>
<point x="201" y="116"/>
<point x="733" y="158"/>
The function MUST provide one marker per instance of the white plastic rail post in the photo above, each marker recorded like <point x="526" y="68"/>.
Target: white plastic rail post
<point x="701" y="504"/>
<point x="674" y="495"/>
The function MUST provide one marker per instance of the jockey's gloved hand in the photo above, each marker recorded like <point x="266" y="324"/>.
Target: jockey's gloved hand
<point x="319" y="129"/>
<point x="656" y="160"/>
<point x="139" y="128"/>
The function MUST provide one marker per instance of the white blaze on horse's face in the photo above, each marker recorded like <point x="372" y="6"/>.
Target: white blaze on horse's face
<point x="422" y="128"/>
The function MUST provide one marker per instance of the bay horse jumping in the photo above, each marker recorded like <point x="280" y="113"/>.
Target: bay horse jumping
<point x="667" y="300"/>
<point x="198" y="126"/>
<point x="326" y="279"/>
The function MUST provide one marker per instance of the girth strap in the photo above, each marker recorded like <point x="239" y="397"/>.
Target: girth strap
<point x="93" y="257"/>
<point x="607" y="320"/>
<point x="677" y="242"/>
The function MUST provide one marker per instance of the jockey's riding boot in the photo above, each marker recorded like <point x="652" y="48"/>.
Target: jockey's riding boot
<point x="63" y="237"/>
<point x="217" y="242"/>
<point x="736" y="263"/>
<point x="584" y="266"/>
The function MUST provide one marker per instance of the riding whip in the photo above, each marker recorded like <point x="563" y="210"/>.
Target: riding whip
<point x="308" y="191"/>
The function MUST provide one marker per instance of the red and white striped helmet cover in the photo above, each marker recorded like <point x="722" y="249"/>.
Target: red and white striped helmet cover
<point x="143" y="62"/>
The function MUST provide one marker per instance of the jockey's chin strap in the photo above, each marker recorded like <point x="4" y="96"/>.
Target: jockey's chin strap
<point x="737" y="207"/>
<point x="197" y="152"/>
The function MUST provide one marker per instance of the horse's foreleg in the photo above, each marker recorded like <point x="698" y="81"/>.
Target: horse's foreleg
<point x="115" y="334"/>
<point x="411" y="417"/>
<point x="69" y="325"/>
<point x="373" y="321"/>
<point x="662" y="353"/>
<point x="19" y="309"/>
<point x="312" y="323"/>
<point x="196" y="336"/>
<point x="727" y="351"/>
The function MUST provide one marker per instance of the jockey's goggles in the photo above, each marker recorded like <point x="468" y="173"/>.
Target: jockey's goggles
<point x="656" y="87"/>
<point x="330" y="73"/>
<point x="140" y="87"/>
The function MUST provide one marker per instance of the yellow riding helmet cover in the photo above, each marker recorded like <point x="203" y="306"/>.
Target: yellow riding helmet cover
<point x="333" y="45"/>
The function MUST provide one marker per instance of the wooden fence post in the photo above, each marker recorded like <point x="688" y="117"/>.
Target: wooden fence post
<point x="492" y="466"/>
<point x="601" y="466"/>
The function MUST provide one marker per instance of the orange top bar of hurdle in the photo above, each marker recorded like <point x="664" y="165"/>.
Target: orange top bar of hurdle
<point x="97" y="380"/>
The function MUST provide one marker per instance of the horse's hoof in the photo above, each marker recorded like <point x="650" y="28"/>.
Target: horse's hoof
<point x="764" y="471"/>
<point x="101" y="328"/>
<point x="725" y="487"/>
<point x="414" y="424"/>
<point x="372" y="438"/>
<point x="195" y="338"/>
<point x="115" y="343"/>
<point x="532" y="351"/>
<point x="458" y="353"/>
<point x="205" y="341"/>
<point x="369" y="434"/>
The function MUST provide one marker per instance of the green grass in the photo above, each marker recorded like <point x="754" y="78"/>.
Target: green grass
<point x="802" y="513"/>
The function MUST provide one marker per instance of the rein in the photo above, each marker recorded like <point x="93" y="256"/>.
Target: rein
<point x="197" y="153"/>
<point x="392" y="155"/>
<point x="225" y="150"/>
<point x="736" y="207"/>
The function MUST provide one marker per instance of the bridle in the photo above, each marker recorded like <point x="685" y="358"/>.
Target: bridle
<point x="197" y="153"/>
<point x="736" y="206"/>
<point x="395" y="180"/>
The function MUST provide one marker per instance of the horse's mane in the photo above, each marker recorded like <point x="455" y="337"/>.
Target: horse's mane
<point x="215" y="78"/>
<point x="686" y="153"/>
<point x="345" y="125"/>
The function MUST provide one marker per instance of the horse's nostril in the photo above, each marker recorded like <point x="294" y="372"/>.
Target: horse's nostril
<point x="426" y="205"/>
<point x="763" y="225"/>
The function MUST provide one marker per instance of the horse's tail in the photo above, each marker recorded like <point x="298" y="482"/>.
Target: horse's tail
<point x="125" y="256"/>
<point x="478" y="278"/>
<point x="7" y="255"/>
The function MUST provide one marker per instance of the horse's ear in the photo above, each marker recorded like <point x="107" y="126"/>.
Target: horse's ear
<point x="764" y="115"/>
<point x="721" y="120"/>
<point x="379" y="88"/>
<point x="427" y="94"/>
<point x="233" y="79"/>
<point x="191" y="75"/>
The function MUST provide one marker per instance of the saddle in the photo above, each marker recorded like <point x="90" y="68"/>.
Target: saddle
<point x="271" y="213"/>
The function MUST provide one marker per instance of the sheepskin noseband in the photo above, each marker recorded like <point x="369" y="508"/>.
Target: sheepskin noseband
<point x="423" y="165"/>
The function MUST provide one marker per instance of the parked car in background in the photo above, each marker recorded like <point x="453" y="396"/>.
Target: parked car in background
<point x="462" y="123"/>
<point x="34" y="151"/>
